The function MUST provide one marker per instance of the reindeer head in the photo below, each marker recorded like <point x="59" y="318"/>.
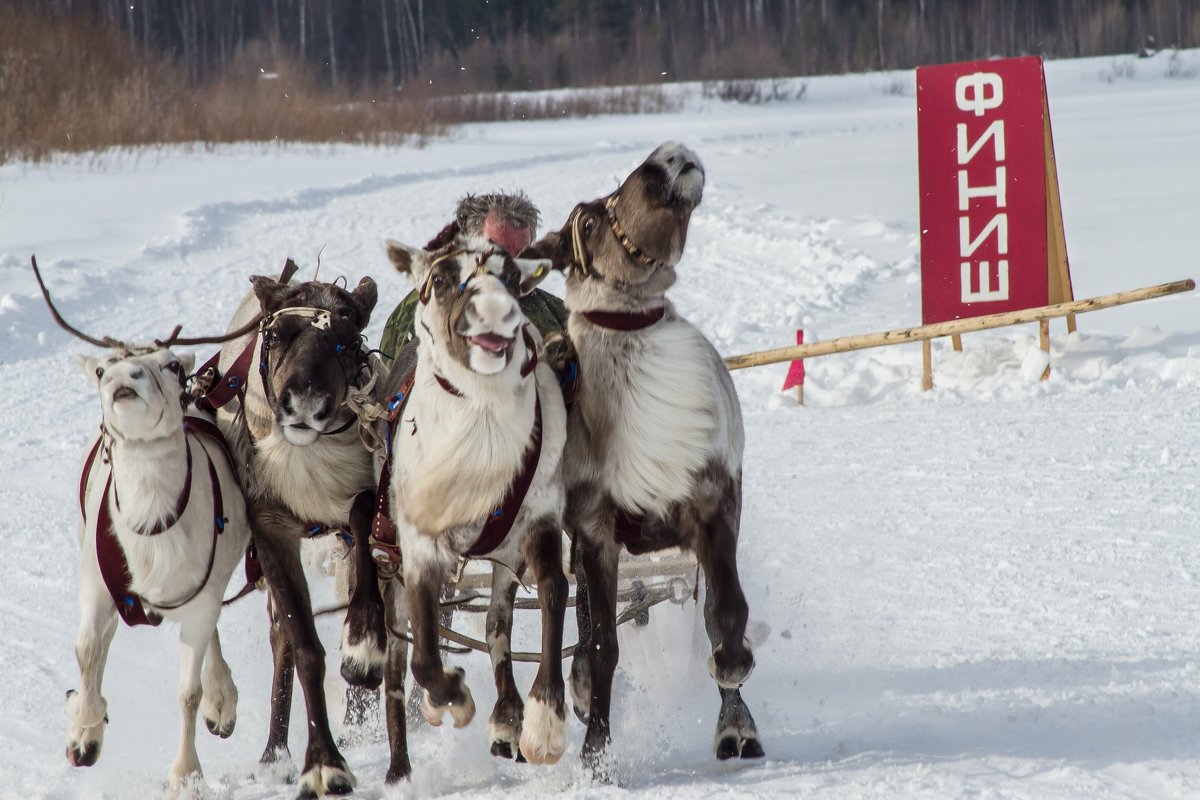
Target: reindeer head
<point x="633" y="238"/>
<point x="142" y="393"/>
<point x="469" y="299"/>
<point x="311" y="351"/>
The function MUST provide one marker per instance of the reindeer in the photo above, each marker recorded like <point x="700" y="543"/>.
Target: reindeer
<point x="654" y="440"/>
<point x="163" y="524"/>
<point x="478" y="426"/>
<point x="301" y="458"/>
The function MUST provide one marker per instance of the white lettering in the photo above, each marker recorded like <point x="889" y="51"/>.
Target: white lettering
<point x="970" y="92"/>
<point x="995" y="132"/>
<point x="986" y="293"/>
<point x="966" y="191"/>
<point x="967" y="245"/>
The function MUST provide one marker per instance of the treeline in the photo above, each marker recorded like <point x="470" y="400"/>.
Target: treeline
<point x="460" y="46"/>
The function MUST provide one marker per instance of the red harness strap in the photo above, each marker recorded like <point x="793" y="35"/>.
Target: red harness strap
<point x="625" y="320"/>
<point x="110" y="556"/>
<point x="501" y="520"/>
<point x="232" y="383"/>
<point x="384" y="547"/>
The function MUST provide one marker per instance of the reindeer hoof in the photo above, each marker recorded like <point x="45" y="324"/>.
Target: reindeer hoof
<point x="85" y="755"/>
<point x="732" y="744"/>
<point x="325" y="780"/>
<point x="502" y="750"/>
<point x="362" y="661"/>
<point x="543" y="735"/>
<point x="752" y="748"/>
<point x="462" y="708"/>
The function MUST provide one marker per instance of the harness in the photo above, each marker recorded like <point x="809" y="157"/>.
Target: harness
<point x="114" y="566"/>
<point x="383" y="543"/>
<point x="232" y="384"/>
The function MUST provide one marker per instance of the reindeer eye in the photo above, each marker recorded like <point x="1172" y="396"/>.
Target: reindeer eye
<point x="173" y="367"/>
<point x="99" y="372"/>
<point x="589" y="224"/>
<point x="437" y="280"/>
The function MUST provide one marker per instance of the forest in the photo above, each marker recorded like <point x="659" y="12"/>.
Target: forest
<point x="86" y="75"/>
<point x="512" y="45"/>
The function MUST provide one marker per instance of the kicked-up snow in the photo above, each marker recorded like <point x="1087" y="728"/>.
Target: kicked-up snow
<point x="991" y="589"/>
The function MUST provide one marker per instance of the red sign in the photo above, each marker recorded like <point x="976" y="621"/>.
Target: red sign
<point x="982" y="141"/>
<point x="795" y="376"/>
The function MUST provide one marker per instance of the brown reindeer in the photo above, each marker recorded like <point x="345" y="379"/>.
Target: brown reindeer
<point x="654" y="441"/>
<point x="305" y="470"/>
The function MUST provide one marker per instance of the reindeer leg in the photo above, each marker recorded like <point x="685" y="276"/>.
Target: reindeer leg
<point x="543" y="734"/>
<point x="363" y="637"/>
<point x="716" y="550"/>
<point x="325" y="771"/>
<point x="396" y="605"/>
<point x="598" y="562"/>
<point x="737" y="735"/>
<point x="581" y="673"/>
<point x="220" y="695"/>
<point x="445" y="689"/>
<point x="195" y="636"/>
<point x="504" y="726"/>
<point x="282" y="677"/>
<point x="87" y="709"/>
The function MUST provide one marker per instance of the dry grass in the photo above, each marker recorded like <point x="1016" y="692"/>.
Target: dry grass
<point x="505" y="106"/>
<point x="71" y="87"/>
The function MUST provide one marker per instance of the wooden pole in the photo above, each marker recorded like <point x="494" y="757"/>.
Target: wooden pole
<point x="924" y="332"/>
<point x="956" y="342"/>
<point x="1044" y="335"/>
<point x="927" y="364"/>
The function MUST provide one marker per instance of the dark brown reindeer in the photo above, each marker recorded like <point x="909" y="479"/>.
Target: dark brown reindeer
<point x="305" y="469"/>
<point x="654" y="441"/>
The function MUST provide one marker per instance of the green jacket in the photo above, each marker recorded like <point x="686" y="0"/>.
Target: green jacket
<point x="544" y="310"/>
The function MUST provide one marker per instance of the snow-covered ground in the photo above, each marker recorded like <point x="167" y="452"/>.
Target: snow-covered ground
<point x="992" y="589"/>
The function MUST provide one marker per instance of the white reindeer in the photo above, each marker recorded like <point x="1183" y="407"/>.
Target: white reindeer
<point x="163" y="526"/>
<point x="483" y="421"/>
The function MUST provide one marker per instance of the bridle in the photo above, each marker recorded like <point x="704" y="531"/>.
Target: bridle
<point x="580" y="257"/>
<point x="322" y="320"/>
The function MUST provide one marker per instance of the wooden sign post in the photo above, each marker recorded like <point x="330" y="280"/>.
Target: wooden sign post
<point x="795" y="376"/>
<point x="991" y="219"/>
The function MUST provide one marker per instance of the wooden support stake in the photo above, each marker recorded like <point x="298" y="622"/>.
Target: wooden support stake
<point x="800" y="394"/>
<point x="956" y="341"/>
<point x="927" y="361"/>
<point x="924" y="332"/>
<point x="1044" y="335"/>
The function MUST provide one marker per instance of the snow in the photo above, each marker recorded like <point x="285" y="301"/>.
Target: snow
<point x="986" y="590"/>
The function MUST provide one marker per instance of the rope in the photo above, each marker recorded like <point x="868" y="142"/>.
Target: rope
<point x="368" y="410"/>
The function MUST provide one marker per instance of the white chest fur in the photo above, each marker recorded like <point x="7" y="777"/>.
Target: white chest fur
<point x="657" y="408"/>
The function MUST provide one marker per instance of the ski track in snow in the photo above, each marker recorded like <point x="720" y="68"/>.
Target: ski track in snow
<point x="987" y="590"/>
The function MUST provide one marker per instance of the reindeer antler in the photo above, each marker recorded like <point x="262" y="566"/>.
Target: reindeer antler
<point x="116" y="344"/>
<point x="107" y="341"/>
<point x="174" y="338"/>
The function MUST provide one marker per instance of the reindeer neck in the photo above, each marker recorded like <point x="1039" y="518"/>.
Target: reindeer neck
<point x="595" y="295"/>
<point x="149" y="477"/>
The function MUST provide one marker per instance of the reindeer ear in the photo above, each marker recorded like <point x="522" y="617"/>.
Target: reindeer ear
<point x="269" y="292"/>
<point x="533" y="272"/>
<point x="403" y="257"/>
<point x="188" y="362"/>
<point x="365" y="295"/>
<point x="553" y="247"/>
<point x="89" y="365"/>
